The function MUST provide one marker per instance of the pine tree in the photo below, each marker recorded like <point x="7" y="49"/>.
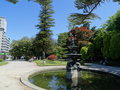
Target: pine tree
<point x="43" y="41"/>
<point x="87" y="7"/>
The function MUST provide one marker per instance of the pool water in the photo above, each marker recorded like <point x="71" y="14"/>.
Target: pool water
<point x="56" y="80"/>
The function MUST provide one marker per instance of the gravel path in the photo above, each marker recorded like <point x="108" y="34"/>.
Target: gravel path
<point x="10" y="75"/>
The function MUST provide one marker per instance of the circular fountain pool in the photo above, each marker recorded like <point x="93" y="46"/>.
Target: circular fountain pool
<point x="56" y="80"/>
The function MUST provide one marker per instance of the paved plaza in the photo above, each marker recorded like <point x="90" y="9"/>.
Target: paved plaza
<point x="10" y="74"/>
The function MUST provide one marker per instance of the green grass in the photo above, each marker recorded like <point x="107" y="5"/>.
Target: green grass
<point x="50" y="63"/>
<point x="3" y="63"/>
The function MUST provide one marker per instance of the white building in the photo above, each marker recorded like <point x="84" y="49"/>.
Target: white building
<point x="4" y="41"/>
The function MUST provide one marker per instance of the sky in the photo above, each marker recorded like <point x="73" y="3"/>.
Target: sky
<point x="23" y="16"/>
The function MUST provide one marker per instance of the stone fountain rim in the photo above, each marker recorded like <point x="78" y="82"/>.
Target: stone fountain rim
<point x="25" y="78"/>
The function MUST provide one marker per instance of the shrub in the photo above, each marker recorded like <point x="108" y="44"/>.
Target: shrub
<point x="87" y="51"/>
<point x="84" y="52"/>
<point x="1" y="59"/>
<point x="52" y="57"/>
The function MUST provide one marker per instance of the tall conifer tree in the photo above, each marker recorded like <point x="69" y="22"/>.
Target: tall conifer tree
<point x="43" y="40"/>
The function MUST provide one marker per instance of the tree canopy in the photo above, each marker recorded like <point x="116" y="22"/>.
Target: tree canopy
<point x="87" y="7"/>
<point x="43" y="41"/>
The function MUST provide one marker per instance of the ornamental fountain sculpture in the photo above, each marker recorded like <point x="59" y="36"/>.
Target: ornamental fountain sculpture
<point x="73" y="66"/>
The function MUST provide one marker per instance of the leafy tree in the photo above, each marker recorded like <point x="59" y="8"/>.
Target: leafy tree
<point x="87" y="7"/>
<point x="113" y="24"/>
<point x="15" y="49"/>
<point x="60" y="51"/>
<point x="87" y="52"/>
<point x="22" y="47"/>
<point x="81" y="35"/>
<point x="98" y="44"/>
<point x="62" y="39"/>
<point x="115" y="46"/>
<point x="42" y="44"/>
<point x="106" y="45"/>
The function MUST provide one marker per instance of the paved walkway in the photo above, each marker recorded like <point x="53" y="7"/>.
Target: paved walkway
<point x="109" y="69"/>
<point x="10" y="74"/>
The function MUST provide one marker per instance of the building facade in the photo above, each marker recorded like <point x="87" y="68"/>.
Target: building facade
<point x="4" y="40"/>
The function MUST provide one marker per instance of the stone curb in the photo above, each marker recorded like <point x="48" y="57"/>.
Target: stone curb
<point x="25" y="81"/>
<point x="101" y="70"/>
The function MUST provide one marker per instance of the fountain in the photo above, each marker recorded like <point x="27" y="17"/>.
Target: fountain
<point x="51" y="79"/>
<point x="73" y="66"/>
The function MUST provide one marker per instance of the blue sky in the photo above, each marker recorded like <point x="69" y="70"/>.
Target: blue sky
<point x="23" y="16"/>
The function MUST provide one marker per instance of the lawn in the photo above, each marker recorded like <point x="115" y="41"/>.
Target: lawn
<point x="50" y="63"/>
<point x="3" y="63"/>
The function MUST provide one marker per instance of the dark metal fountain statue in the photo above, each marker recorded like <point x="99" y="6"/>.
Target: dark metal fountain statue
<point x="73" y="66"/>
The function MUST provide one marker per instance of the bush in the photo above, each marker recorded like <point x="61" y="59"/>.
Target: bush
<point x="27" y="58"/>
<point x="52" y="57"/>
<point x="1" y="59"/>
<point x="83" y="51"/>
<point x="87" y="51"/>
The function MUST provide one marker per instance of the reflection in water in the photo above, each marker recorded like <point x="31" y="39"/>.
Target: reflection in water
<point x="74" y="83"/>
<point x="85" y="81"/>
<point x="54" y="84"/>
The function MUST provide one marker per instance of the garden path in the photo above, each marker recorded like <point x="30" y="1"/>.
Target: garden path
<point x="10" y="74"/>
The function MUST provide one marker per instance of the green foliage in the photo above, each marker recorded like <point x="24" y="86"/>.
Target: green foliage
<point x="1" y="59"/>
<point x="3" y="63"/>
<point x="43" y="41"/>
<point x="87" y="51"/>
<point x="90" y="51"/>
<point x="113" y="24"/>
<point x="13" y="1"/>
<point x="115" y="46"/>
<point x="98" y="40"/>
<point x="87" y="7"/>
<point x="98" y="43"/>
<point x="106" y="45"/>
<point x="22" y="47"/>
<point x="46" y="20"/>
<point x="59" y="51"/>
<point x="83" y="51"/>
<point x="50" y="63"/>
<point x="62" y="39"/>
<point x="77" y="18"/>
